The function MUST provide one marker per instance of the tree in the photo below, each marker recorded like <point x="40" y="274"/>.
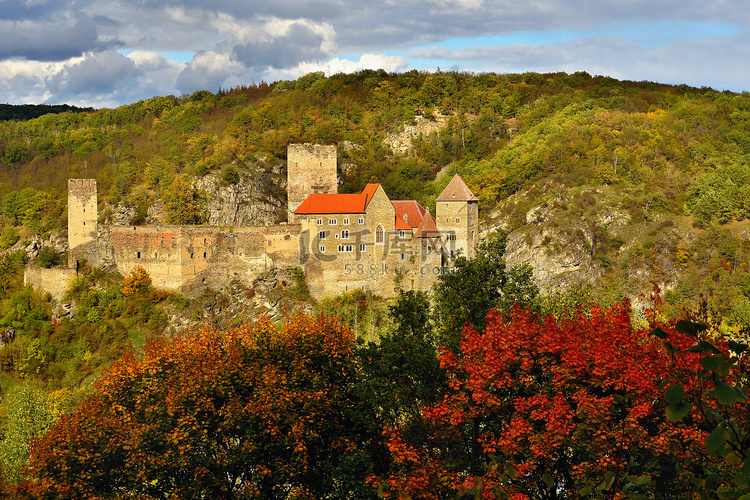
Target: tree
<point x="401" y="372"/>
<point x="183" y="203"/>
<point x="478" y="285"/>
<point x="551" y="410"/>
<point x="251" y="412"/>
<point x="137" y="281"/>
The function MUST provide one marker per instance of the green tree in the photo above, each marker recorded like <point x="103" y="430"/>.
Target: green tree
<point x="183" y="203"/>
<point x="475" y="286"/>
<point x="28" y="414"/>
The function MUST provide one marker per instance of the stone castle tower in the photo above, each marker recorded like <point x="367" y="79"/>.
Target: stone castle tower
<point x="310" y="169"/>
<point x="82" y="221"/>
<point x="457" y="216"/>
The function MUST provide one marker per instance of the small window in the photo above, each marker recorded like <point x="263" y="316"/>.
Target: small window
<point x="362" y="247"/>
<point x="451" y="237"/>
<point x="361" y="220"/>
<point x="204" y="242"/>
<point x="346" y="222"/>
<point x="192" y="255"/>
<point x="322" y="249"/>
<point x="332" y="221"/>
<point x="84" y="223"/>
<point x="204" y="255"/>
<point x="401" y="233"/>
<point x="379" y="234"/>
<point x="341" y="248"/>
<point x="458" y="220"/>
<point x="349" y="248"/>
<point x="320" y="222"/>
<point x="156" y="256"/>
<point x="321" y="235"/>
<point x="403" y="256"/>
<point x="429" y="248"/>
<point x="345" y="234"/>
<point x="138" y="255"/>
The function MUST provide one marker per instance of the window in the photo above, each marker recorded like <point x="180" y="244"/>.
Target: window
<point x="429" y="248"/>
<point x="204" y="255"/>
<point x="379" y="234"/>
<point x="345" y="234"/>
<point x="321" y="235"/>
<point x="192" y="255"/>
<point x="138" y="255"/>
<point x="346" y="222"/>
<point x="451" y="237"/>
<point x="345" y="248"/>
<point x="204" y="241"/>
<point x="320" y="222"/>
<point x="361" y="220"/>
<point x="349" y="248"/>
<point x="403" y="256"/>
<point x="401" y="233"/>
<point x="322" y="249"/>
<point x="363" y="247"/>
<point x="458" y="220"/>
<point x="332" y="221"/>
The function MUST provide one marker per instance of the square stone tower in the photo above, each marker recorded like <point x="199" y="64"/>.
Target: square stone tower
<point x="310" y="169"/>
<point x="82" y="221"/>
<point x="457" y="217"/>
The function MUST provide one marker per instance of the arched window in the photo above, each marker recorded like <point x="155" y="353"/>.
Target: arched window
<point x="379" y="234"/>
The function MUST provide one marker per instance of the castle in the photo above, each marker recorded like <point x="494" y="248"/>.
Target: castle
<point x="341" y="241"/>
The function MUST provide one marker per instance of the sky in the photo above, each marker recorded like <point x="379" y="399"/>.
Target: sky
<point x="104" y="53"/>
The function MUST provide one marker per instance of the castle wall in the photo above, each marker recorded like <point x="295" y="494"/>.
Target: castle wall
<point x="310" y="169"/>
<point x="56" y="281"/>
<point x="82" y="221"/>
<point x="158" y="249"/>
<point x="192" y="258"/>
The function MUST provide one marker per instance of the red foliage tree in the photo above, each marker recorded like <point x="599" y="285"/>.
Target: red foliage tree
<point x="548" y="410"/>
<point x="252" y="412"/>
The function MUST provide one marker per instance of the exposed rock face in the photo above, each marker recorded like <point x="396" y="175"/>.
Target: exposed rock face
<point x="247" y="203"/>
<point x="401" y="141"/>
<point x="559" y="259"/>
<point x="119" y="215"/>
<point x="567" y="241"/>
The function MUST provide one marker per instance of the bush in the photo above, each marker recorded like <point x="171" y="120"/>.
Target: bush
<point x="48" y="257"/>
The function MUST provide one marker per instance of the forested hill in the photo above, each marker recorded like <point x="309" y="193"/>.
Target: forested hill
<point x="31" y="111"/>
<point x="669" y="163"/>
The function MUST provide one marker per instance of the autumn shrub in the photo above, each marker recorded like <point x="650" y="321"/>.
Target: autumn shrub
<point x="137" y="281"/>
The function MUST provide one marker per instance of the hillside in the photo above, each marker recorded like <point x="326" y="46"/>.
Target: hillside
<point x="619" y="184"/>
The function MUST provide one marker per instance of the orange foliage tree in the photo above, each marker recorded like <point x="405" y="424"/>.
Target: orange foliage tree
<point x="251" y="412"/>
<point x="137" y="281"/>
<point x="541" y="409"/>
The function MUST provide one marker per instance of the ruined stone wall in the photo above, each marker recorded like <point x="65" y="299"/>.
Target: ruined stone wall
<point x="192" y="258"/>
<point x="158" y="249"/>
<point x="55" y="281"/>
<point x="82" y="221"/>
<point x="310" y="169"/>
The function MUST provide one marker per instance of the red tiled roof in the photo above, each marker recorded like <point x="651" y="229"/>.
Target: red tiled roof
<point x="338" y="203"/>
<point x="457" y="190"/>
<point x="400" y="224"/>
<point x="427" y="229"/>
<point x="413" y="211"/>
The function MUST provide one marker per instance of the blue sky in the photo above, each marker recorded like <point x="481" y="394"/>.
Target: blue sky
<point x="111" y="52"/>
